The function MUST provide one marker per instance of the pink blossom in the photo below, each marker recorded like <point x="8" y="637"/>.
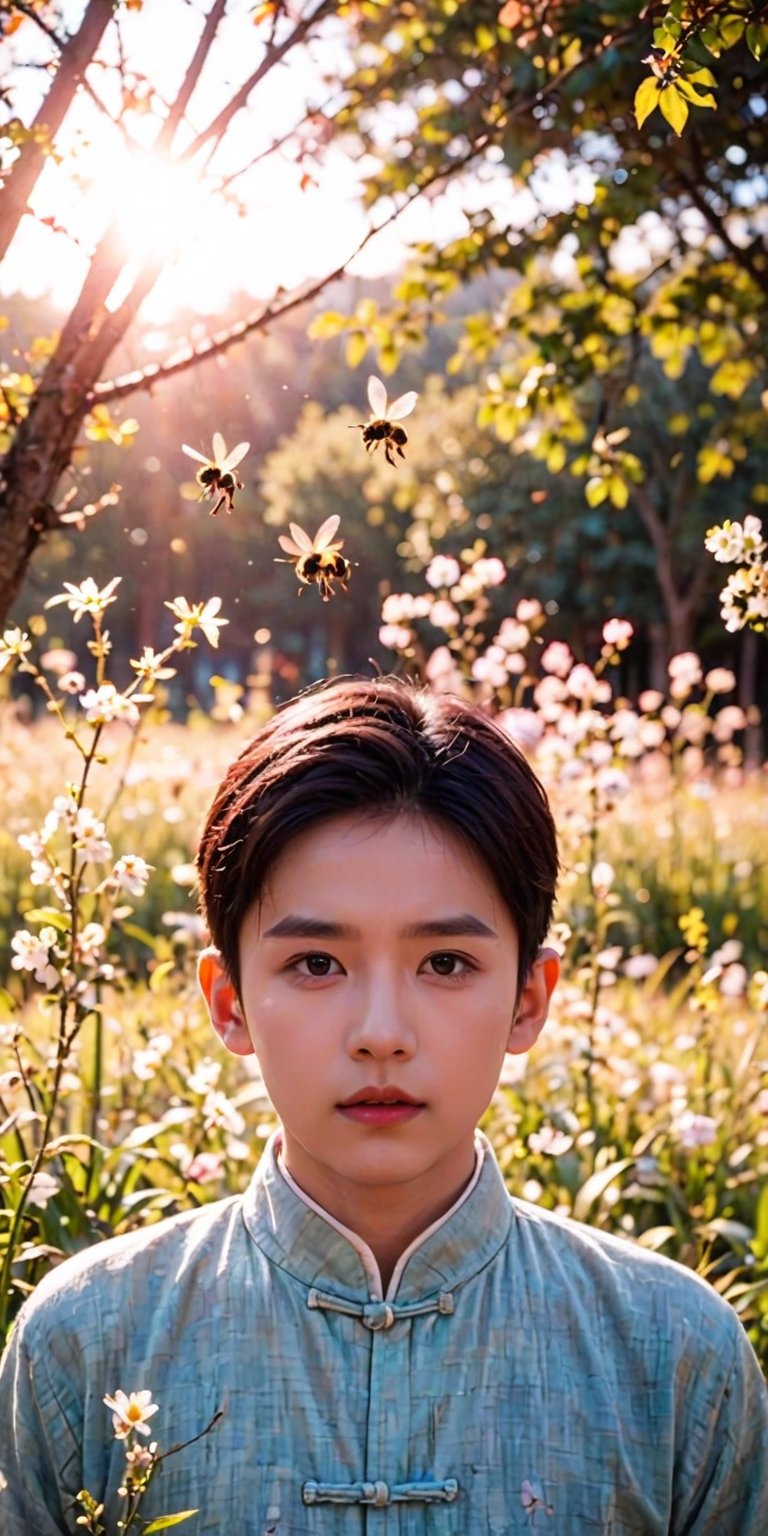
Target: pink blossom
<point x="524" y="726"/>
<point x="527" y="609"/>
<point x="490" y="572"/>
<point x="395" y="637"/>
<point x="618" y="633"/>
<point x="443" y="571"/>
<point x="720" y="680"/>
<point x="513" y="636"/>
<point x="727" y="721"/>
<point x="557" y="658"/>
<point x="583" y="684"/>
<point x="443" y="614"/>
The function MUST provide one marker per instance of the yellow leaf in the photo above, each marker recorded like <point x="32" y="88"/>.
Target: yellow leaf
<point x="356" y="348"/>
<point x="618" y="492"/>
<point x="701" y="77"/>
<point x="674" y="108"/>
<point x="366" y="311"/>
<point x="646" y="99"/>
<point x="328" y="324"/>
<point x="685" y="88"/>
<point x="595" y="491"/>
<point x="389" y="358"/>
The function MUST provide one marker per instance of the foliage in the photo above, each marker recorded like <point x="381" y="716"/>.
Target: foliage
<point x="621" y="242"/>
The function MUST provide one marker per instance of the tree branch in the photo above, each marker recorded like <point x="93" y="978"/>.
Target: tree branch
<point x="272" y="56"/>
<point x="717" y="222"/>
<point x="176" y="115"/>
<point x="74" y="59"/>
<point x="145" y="378"/>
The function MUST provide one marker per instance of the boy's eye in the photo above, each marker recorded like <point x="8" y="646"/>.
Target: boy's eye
<point x="314" y="965"/>
<point x="447" y="964"/>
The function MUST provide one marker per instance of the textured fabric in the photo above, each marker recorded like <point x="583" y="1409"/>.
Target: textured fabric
<point x="523" y="1371"/>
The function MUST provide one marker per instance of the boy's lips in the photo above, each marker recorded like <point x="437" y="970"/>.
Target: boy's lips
<point x="380" y="1107"/>
<point x="390" y="1095"/>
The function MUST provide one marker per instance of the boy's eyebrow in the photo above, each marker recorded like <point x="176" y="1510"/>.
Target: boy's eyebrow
<point x="294" y="926"/>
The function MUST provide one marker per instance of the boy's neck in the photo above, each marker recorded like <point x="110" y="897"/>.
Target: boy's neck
<point x="387" y="1219"/>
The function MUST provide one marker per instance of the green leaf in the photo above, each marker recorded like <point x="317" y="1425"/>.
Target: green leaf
<point x="655" y="1237"/>
<point x="159" y="974"/>
<point x="74" y="1139"/>
<point x="757" y="40"/>
<point x="596" y="1185"/>
<point x="134" y="931"/>
<point x="163" y="1521"/>
<point x="50" y="915"/>
<point x="7" y="1004"/>
<point x="646" y="99"/>
<point x="674" y="108"/>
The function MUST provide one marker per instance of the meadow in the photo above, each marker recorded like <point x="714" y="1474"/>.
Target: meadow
<point x="643" y="1109"/>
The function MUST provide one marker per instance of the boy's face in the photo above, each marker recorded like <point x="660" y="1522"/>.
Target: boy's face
<point x="379" y="958"/>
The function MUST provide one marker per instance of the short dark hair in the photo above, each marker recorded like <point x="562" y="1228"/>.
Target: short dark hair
<point x="378" y="746"/>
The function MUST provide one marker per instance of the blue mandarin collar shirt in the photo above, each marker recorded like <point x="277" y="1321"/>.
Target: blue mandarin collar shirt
<point x="522" y="1371"/>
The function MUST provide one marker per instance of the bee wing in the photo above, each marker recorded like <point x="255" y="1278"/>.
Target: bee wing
<point x="377" y="396"/>
<point x="325" y="532"/>
<point x="402" y="406"/>
<point x="219" y="448"/>
<point x="301" y="538"/>
<point x="192" y="453"/>
<point x="289" y="546"/>
<point x="233" y="458"/>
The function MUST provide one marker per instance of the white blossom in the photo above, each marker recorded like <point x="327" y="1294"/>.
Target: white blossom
<point x="86" y="598"/>
<point x="131" y="874"/>
<point x="33" y="954"/>
<point x="107" y="703"/>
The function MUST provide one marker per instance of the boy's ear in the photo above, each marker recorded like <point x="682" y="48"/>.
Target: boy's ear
<point x="223" y="1003"/>
<point x="533" y="1007"/>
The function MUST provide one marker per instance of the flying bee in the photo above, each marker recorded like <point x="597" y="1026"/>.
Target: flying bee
<point x="317" y="561"/>
<point x="217" y="478"/>
<point x="384" y="425"/>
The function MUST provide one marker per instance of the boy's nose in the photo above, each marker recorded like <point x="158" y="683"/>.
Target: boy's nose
<point x="380" y="1028"/>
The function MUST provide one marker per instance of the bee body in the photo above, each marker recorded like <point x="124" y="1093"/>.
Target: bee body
<point x="384" y="426"/>
<point x="318" y="562"/>
<point x="217" y="476"/>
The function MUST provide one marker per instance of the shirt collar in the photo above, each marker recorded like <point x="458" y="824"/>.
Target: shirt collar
<point x="310" y="1244"/>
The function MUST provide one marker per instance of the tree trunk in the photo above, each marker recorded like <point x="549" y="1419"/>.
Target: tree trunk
<point x="75" y="56"/>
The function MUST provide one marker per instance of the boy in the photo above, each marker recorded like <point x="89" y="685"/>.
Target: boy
<point x="399" y="1347"/>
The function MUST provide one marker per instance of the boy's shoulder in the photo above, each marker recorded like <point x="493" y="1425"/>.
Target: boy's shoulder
<point x="616" y="1277"/>
<point x="105" y="1276"/>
